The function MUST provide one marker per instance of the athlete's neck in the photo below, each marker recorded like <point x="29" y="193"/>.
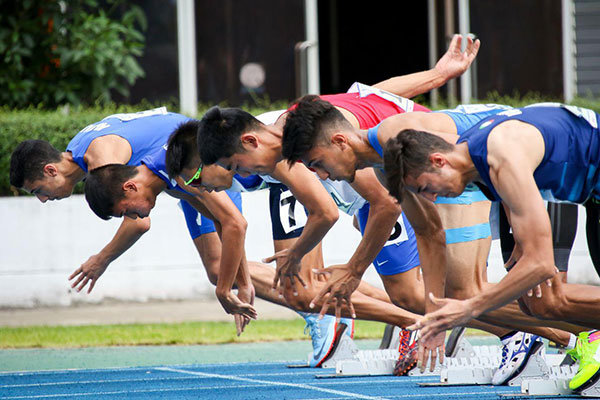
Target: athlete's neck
<point x="272" y="138"/>
<point x="366" y="155"/>
<point x="147" y="178"/>
<point x="461" y="160"/>
<point x="70" y="169"/>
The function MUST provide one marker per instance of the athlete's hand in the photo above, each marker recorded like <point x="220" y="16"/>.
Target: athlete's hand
<point x="245" y="294"/>
<point x="89" y="272"/>
<point x="233" y="305"/>
<point x="288" y="267"/>
<point x="538" y="288"/>
<point x="455" y="61"/>
<point x="431" y="349"/>
<point x="338" y="289"/>
<point x="450" y="313"/>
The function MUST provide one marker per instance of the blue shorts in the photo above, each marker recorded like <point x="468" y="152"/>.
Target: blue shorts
<point x="466" y="233"/>
<point x="399" y="254"/>
<point x="288" y="216"/>
<point x="197" y="223"/>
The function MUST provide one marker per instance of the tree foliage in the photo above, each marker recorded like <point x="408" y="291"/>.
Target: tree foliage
<point x="70" y="51"/>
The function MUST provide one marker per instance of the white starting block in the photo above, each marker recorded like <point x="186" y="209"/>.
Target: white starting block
<point x="554" y="380"/>
<point x="474" y="361"/>
<point x="472" y="365"/>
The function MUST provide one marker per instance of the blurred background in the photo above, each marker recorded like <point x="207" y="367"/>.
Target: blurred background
<point x="70" y="63"/>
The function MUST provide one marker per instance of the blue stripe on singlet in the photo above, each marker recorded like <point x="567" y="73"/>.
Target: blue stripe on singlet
<point x="468" y="233"/>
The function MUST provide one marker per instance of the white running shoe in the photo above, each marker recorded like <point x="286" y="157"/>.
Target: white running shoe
<point x="516" y="350"/>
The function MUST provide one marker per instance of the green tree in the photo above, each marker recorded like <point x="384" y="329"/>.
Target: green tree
<point x="71" y="51"/>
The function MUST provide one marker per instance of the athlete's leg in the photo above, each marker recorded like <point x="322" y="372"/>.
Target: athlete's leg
<point x="208" y="246"/>
<point x="287" y="218"/>
<point x="406" y="290"/>
<point x="468" y="243"/>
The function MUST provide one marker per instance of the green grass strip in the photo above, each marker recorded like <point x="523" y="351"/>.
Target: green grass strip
<point x="164" y="334"/>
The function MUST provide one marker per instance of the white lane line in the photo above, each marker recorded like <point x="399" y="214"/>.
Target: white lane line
<point x="294" y="385"/>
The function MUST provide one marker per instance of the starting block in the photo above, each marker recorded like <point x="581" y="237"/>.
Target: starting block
<point x="555" y="381"/>
<point x="472" y="365"/>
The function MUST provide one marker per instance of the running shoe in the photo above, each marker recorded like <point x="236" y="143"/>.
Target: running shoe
<point x="322" y="333"/>
<point x="388" y="335"/>
<point x="516" y="351"/>
<point x="587" y="351"/>
<point x="453" y="340"/>
<point x="407" y="349"/>
<point x="349" y="322"/>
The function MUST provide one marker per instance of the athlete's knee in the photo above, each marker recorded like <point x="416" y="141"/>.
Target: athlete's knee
<point x="550" y="306"/>
<point x="299" y="301"/>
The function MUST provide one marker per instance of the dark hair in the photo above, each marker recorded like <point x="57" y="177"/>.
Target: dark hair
<point x="307" y="123"/>
<point x="408" y="154"/>
<point x="182" y="148"/>
<point x="219" y="132"/>
<point x="28" y="160"/>
<point x="103" y="187"/>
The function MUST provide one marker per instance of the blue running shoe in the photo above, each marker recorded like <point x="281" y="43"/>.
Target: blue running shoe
<point x="349" y="322"/>
<point x="516" y="350"/>
<point x="322" y="332"/>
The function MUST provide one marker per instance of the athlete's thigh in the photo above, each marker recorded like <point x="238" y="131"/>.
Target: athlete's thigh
<point x="408" y="281"/>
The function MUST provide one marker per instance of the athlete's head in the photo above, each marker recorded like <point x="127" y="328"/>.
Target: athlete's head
<point x="34" y="168"/>
<point x="418" y="161"/>
<point x="113" y="191"/>
<point x="236" y="140"/>
<point x="183" y="160"/>
<point x="316" y="133"/>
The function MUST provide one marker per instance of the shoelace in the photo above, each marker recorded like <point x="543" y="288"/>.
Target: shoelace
<point x="315" y="331"/>
<point x="586" y="351"/>
<point x="404" y="341"/>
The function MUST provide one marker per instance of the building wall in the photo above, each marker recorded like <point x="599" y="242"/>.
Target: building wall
<point x="587" y="38"/>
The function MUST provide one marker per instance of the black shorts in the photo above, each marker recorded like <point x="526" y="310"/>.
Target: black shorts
<point x="288" y="216"/>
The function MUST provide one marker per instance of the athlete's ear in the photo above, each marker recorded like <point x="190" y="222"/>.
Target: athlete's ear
<point x="438" y="160"/>
<point x="130" y="186"/>
<point x="249" y="139"/>
<point x="51" y="170"/>
<point x="339" y="139"/>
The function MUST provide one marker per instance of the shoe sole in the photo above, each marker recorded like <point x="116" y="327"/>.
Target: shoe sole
<point x="387" y="337"/>
<point x="589" y="383"/>
<point x="453" y="340"/>
<point x="534" y="348"/>
<point x="402" y="370"/>
<point x="339" y="331"/>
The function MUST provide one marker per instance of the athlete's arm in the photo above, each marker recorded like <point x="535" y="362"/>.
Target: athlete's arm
<point x="511" y="170"/>
<point x="452" y="64"/>
<point x="231" y="227"/>
<point x="322" y="214"/>
<point x="106" y="150"/>
<point x="383" y="214"/>
<point x="128" y="233"/>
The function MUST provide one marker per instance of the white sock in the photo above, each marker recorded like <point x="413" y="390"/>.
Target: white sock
<point x="572" y="342"/>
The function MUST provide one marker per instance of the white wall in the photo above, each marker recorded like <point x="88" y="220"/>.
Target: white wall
<point x="43" y="244"/>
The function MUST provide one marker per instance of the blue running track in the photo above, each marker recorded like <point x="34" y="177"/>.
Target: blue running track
<point x="229" y="381"/>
